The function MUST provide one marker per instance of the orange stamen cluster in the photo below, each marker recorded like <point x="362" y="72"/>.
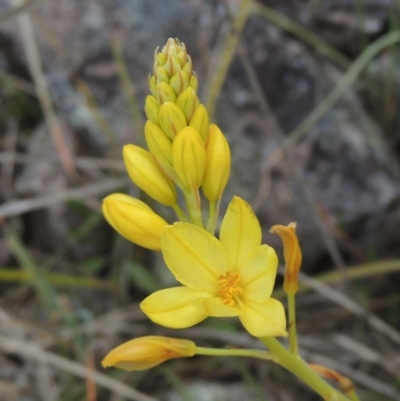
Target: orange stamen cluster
<point x="229" y="287"/>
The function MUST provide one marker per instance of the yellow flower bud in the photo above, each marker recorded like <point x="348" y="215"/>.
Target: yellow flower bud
<point x="148" y="176"/>
<point x="188" y="66"/>
<point x="171" y="118"/>
<point x="189" y="158"/>
<point x="291" y="254"/>
<point x="134" y="220"/>
<point x="218" y="164"/>
<point x="151" y="109"/>
<point x="188" y="101"/>
<point x="179" y="82"/>
<point x="146" y="352"/>
<point x="160" y="147"/>
<point x="160" y="74"/>
<point x="200" y="122"/>
<point x="175" y="54"/>
<point x="193" y="83"/>
<point x="165" y="93"/>
<point x="153" y="85"/>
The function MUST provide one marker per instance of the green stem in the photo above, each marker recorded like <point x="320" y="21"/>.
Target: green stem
<point x="252" y="353"/>
<point x="300" y="369"/>
<point x="213" y="212"/>
<point x="193" y="205"/>
<point x="179" y="212"/>
<point x="353" y="396"/>
<point x="292" y="324"/>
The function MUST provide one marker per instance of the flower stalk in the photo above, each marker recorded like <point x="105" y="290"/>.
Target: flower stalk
<point x="303" y="371"/>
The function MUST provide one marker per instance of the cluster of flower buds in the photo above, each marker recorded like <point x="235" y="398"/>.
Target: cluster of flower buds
<point x="184" y="151"/>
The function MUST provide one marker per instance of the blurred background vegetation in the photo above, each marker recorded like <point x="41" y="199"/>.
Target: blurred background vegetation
<point x="307" y="93"/>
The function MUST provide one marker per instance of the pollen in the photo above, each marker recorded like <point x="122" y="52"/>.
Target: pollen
<point x="230" y="290"/>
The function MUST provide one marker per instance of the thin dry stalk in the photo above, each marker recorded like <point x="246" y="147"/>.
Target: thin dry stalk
<point x="34" y="63"/>
<point x="14" y="208"/>
<point x="32" y="351"/>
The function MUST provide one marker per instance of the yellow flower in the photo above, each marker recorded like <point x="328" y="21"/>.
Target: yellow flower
<point x="291" y="254"/>
<point x="134" y="220"/>
<point x="145" y="352"/>
<point x="230" y="277"/>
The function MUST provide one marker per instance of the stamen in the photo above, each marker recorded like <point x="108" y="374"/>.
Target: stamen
<point x="229" y="287"/>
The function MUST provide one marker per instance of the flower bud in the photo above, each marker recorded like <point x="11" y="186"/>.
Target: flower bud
<point x="193" y="83"/>
<point x="291" y="254"/>
<point x="147" y="175"/>
<point x="175" y="55"/>
<point x="151" y="109"/>
<point x="188" y="66"/>
<point x="160" y="147"/>
<point x="218" y="164"/>
<point x="160" y="74"/>
<point x="189" y="158"/>
<point x="134" y="220"/>
<point x="153" y="85"/>
<point x="188" y="101"/>
<point x="200" y="122"/>
<point x="171" y="118"/>
<point x="179" y="82"/>
<point x="146" y="352"/>
<point x="165" y="93"/>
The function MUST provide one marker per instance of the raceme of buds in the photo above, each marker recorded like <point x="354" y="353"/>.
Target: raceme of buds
<point x="134" y="220"/>
<point x="171" y="119"/>
<point x="200" y="122"/>
<point x="189" y="158"/>
<point x="172" y="67"/>
<point x="146" y="352"/>
<point x="218" y="164"/>
<point x="148" y="176"/>
<point x="291" y="254"/>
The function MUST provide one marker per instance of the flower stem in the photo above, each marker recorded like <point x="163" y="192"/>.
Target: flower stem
<point x="292" y="324"/>
<point x="179" y="212"/>
<point x="299" y="368"/>
<point x="253" y="353"/>
<point x="213" y="211"/>
<point x="193" y="205"/>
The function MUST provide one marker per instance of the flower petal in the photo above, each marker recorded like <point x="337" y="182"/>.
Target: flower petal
<point x="213" y="306"/>
<point x="195" y="257"/>
<point x="240" y="231"/>
<point x="265" y="319"/>
<point x="258" y="272"/>
<point x="172" y="307"/>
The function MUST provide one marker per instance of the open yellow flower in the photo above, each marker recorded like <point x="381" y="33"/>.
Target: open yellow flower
<point x="231" y="277"/>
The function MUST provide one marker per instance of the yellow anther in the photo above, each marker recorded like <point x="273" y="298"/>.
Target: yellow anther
<point x="229" y="287"/>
